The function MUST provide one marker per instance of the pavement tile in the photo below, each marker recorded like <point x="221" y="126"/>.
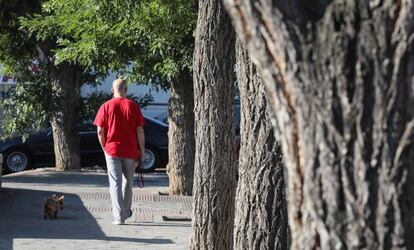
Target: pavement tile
<point x="85" y="221"/>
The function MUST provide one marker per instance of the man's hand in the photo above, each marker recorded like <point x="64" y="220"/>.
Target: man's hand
<point x="101" y="137"/>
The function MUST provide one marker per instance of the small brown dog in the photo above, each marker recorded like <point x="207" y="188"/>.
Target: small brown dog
<point x="51" y="206"/>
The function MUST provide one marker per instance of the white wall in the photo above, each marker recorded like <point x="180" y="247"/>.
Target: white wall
<point x="160" y="97"/>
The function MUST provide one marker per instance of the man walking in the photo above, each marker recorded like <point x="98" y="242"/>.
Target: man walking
<point x="121" y="134"/>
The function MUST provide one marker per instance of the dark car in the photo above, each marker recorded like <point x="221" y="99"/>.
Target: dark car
<point x="37" y="150"/>
<point x="163" y="117"/>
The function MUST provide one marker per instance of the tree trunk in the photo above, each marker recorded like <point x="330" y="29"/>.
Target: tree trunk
<point x="66" y="91"/>
<point x="338" y="75"/>
<point x="215" y="160"/>
<point x="261" y="216"/>
<point x="181" y="144"/>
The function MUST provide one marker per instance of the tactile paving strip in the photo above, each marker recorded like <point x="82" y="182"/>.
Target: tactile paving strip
<point x="148" y="204"/>
<point x="138" y="197"/>
<point x="147" y="210"/>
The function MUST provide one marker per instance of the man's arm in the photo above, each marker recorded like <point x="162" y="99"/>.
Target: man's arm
<point x="141" y="142"/>
<point x="102" y="137"/>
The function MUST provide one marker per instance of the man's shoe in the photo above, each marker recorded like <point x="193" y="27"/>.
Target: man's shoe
<point x="118" y="222"/>
<point x="129" y="215"/>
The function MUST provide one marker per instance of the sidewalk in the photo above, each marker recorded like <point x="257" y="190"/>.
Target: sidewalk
<point x="159" y="221"/>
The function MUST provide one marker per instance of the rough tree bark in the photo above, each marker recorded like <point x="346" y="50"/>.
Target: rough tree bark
<point x="215" y="160"/>
<point x="181" y="144"/>
<point x="261" y="216"/>
<point x="339" y="75"/>
<point x="65" y="78"/>
<point x="66" y="92"/>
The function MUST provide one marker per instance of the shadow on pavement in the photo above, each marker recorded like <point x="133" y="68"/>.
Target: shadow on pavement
<point x="57" y="178"/>
<point x="21" y="216"/>
<point x="91" y="179"/>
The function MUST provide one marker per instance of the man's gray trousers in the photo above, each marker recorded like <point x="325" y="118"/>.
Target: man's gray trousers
<point x="120" y="174"/>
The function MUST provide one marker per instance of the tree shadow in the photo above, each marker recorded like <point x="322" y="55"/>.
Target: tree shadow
<point x="21" y="216"/>
<point x="51" y="177"/>
<point x="92" y="179"/>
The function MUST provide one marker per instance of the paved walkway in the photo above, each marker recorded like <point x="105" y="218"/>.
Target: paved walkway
<point x="159" y="221"/>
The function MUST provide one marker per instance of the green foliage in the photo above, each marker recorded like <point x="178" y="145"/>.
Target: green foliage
<point x="154" y="37"/>
<point x="25" y="111"/>
<point x="16" y="48"/>
<point x="166" y="31"/>
<point x="22" y="108"/>
<point x="81" y="36"/>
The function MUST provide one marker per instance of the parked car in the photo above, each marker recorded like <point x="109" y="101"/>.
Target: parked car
<point x="37" y="150"/>
<point x="163" y="117"/>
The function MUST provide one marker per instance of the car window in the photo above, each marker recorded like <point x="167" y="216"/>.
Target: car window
<point x="163" y="117"/>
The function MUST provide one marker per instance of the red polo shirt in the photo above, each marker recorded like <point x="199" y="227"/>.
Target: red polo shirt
<point x="120" y="118"/>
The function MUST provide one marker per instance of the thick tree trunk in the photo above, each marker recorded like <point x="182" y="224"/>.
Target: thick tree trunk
<point x="181" y="144"/>
<point x="66" y="92"/>
<point x="339" y="78"/>
<point x="215" y="161"/>
<point x="261" y="216"/>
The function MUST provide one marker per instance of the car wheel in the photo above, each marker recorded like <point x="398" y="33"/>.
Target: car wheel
<point x="16" y="160"/>
<point x="151" y="160"/>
